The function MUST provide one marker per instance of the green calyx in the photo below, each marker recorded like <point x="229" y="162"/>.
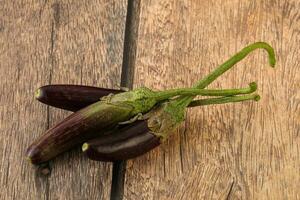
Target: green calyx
<point x="163" y="120"/>
<point x="141" y="100"/>
<point x="161" y="123"/>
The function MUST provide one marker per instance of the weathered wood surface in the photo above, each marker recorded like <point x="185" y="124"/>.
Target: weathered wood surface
<point x="46" y="42"/>
<point x="237" y="151"/>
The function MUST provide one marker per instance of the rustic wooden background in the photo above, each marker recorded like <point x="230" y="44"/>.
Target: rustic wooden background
<point x="236" y="151"/>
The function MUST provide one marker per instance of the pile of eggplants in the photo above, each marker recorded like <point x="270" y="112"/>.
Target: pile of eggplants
<point x="115" y="125"/>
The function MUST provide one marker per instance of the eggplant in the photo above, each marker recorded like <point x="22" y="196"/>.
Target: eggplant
<point x="76" y="97"/>
<point x="143" y="136"/>
<point x="84" y="124"/>
<point x="139" y="137"/>
<point x="128" y="142"/>
<point x="71" y="97"/>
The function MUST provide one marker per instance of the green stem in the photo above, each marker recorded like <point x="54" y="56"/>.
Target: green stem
<point x="222" y="100"/>
<point x="185" y="100"/>
<point x="235" y="59"/>
<point x="204" y="92"/>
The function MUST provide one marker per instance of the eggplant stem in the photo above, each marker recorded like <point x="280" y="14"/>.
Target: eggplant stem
<point x="185" y="100"/>
<point x="222" y="100"/>
<point x="235" y="59"/>
<point x="205" y="92"/>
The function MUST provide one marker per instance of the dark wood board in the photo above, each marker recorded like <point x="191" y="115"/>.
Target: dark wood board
<point x="49" y="42"/>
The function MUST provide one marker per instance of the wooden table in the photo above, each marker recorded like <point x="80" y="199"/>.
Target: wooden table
<point x="237" y="151"/>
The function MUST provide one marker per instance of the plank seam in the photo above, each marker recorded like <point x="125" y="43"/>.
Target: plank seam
<point x="127" y="76"/>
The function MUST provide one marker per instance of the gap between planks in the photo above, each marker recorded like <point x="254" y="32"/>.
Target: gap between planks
<point x="127" y="76"/>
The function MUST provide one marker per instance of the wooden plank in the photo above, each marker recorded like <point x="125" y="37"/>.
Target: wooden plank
<point x="249" y="150"/>
<point x="87" y="49"/>
<point x="24" y="53"/>
<point x="46" y="42"/>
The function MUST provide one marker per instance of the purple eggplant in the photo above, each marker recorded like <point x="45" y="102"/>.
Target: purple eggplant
<point x="84" y="124"/>
<point x="128" y="142"/>
<point x="71" y="97"/>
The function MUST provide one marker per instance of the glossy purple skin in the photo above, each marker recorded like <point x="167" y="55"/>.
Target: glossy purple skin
<point x="72" y="97"/>
<point x="128" y="142"/>
<point x="83" y="125"/>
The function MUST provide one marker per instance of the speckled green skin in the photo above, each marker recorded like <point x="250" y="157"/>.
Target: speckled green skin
<point x="141" y="100"/>
<point x="163" y="120"/>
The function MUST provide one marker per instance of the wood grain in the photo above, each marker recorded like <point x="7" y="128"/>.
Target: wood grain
<point x="236" y="151"/>
<point x="45" y="42"/>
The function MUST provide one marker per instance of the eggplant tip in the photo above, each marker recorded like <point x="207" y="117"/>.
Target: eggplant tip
<point x="28" y="158"/>
<point x="38" y="93"/>
<point x="85" y="147"/>
<point x="33" y="155"/>
<point x="257" y="98"/>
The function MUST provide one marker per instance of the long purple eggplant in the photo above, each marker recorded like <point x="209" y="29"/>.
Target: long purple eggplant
<point x="71" y="97"/>
<point x="85" y="124"/>
<point x="128" y="142"/>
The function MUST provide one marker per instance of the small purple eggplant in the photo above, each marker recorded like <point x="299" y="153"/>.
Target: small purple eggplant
<point x="128" y="142"/>
<point x="71" y="97"/>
